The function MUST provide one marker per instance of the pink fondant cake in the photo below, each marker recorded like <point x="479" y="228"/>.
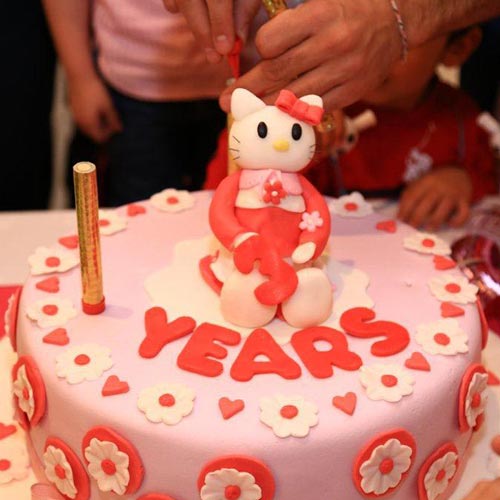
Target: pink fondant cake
<point x="271" y="354"/>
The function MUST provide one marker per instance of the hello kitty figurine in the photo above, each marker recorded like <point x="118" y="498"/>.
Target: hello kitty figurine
<point x="270" y="217"/>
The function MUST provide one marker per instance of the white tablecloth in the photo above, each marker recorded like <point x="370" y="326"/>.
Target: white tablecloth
<point x="22" y="232"/>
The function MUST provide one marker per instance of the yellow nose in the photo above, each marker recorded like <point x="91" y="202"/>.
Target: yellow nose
<point x="281" y="145"/>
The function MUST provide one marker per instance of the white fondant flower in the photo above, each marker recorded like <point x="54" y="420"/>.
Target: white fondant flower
<point x="83" y="362"/>
<point x="440" y="474"/>
<point x="453" y="288"/>
<point x="310" y="221"/>
<point x="108" y="466"/>
<point x="427" y="243"/>
<point x="387" y="382"/>
<point x="8" y="312"/>
<point x="442" y="337"/>
<point x="352" y="205"/>
<point x="167" y="403"/>
<point x="288" y="415"/>
<point x="24" y="392"/>
<point x="59" y="471"/>
<point x="230" y="483"/>
<point x="110" y="222"/>
<point x="476" y="399"/>
<point x="14" y="461"/>
<point x="52" y="260"/>
<point x="51" y="311"/>
<point x="385" y="467"/>
<point x="172" y="200"/>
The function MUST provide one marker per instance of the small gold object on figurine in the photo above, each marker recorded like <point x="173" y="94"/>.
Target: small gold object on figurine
<point x="274" y="7"/>
<point x="87" y="211"/>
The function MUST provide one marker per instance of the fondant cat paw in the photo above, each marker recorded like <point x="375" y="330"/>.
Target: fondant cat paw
<point x="304" y="253"/>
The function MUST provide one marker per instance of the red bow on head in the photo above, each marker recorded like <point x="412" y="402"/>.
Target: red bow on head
<point x="288" y="102"/>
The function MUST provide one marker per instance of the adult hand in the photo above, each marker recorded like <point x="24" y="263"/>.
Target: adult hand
<point x="338" y="49"/>
<point x="487" y="490"/>
<point x="442" y="195"/>
<point x="215" y="23"/>
<point x="93" y="109"/>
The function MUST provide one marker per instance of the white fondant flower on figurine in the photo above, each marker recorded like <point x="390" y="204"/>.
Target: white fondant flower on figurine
<point x="108" y="466"/>
<point x="59" y="471"/>
<point x="351" y="205"/>
<point x="442" y="337"/>
<point x="51" y="311"/>
<point x="83" y="362"/>
<point x="110" y="222"/>
<point x="24" y="391"/>
<point x="288" y="415"/>
<point x="52" y="260"/>
<point x="167" y="403"/>
<point x="453" y="288"/>
<point x="385" y="467"/>
<point x="14" y="461"/>
<point x="230" y="484"/>
<point x="310" y="221"/>
<point x="440" y="473"/>
<point x="427" y="243"/>
<point x="172" y="200"/>
<point x="386" y="382"/>
<point x="475" y="400"/>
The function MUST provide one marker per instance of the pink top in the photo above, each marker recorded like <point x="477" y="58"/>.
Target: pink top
<point x="148" y="53"/>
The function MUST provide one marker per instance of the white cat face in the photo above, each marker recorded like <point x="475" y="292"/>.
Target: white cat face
<point x="265" y="137"/>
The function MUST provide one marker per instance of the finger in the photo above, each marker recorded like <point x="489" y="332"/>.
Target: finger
<point x="440" y="214"/>
<point x="461" y="214"/>
<point x="171" y="6"/>
<point x="423" y="209"/>
<point x="409" y="199"/>
<point x="495" y="444"/>
<point x="113" y="121"/>
<point x="220" y="13"/>
<point x="284" y="32"/>
<point x="196" y="14"/>
<point x="244" y="13"/>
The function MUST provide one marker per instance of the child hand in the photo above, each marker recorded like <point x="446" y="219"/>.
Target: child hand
<point x="441" y="196"/>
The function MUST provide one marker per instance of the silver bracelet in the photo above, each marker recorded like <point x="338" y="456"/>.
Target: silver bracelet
<point x="401" y="28"/>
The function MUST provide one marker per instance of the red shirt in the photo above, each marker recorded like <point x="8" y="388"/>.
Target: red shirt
<point x="441" y="131"/>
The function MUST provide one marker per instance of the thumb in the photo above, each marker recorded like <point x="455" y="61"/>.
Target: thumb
<point x="110" y="121"/>
<point x="244" y="13"/>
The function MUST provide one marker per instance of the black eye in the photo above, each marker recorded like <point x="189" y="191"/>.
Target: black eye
<point x="296" y="131"/>
<point x="351" y="138"/>
<point x="262" y="130"/>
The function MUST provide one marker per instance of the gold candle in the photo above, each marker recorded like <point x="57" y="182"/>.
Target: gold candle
<point x="87" y="211"/>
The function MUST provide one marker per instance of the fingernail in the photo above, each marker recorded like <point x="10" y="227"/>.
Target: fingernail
<point x="222" y="44"/>
<point x="212" y="55"/>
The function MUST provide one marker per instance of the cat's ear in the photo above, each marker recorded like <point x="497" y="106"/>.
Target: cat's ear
<point x="313" y="100"/>
<point x="244" y="103"/>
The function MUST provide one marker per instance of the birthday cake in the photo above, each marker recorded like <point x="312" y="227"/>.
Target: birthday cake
<point x="224" y="368"/>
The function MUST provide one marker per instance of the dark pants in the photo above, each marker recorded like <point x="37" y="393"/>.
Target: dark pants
<point x="163" y="144"/>
<point x="26" y="87"/>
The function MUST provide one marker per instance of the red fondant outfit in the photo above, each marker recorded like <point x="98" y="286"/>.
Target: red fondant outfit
<point x="441" y="131"/>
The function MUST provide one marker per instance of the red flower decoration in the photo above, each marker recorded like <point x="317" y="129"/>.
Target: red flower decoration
<point x="259" y="470"/>
<point x="435" y="479"/>
<point x="80" y="478"/>
<point x="22" y="390"/>
<point x="135" y="467"/>
<point x="379" y="453"/>
<point x="273" y="192"/>
<point x="471" y="400"/>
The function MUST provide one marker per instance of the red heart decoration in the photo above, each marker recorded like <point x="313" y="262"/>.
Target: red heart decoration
<point x="59" y="336"/>
<point x="229" y="408"/>
<point x="133" y="209"/>
<point x="449" y="310"/>
<point x="443" y="263"/>
<point x="389" y="226"/>
<point x="70" y="242"/>
<point x="346" y="403"/>
<point x="493" y="379"/>
<point x="50" y="285"/>
<point x="6" y="430"/>
<point x="417" y="361"/>
<point x="114" y="386"/>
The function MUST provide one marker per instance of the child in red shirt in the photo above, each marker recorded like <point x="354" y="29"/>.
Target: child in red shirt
<point x="426" y="147"/>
